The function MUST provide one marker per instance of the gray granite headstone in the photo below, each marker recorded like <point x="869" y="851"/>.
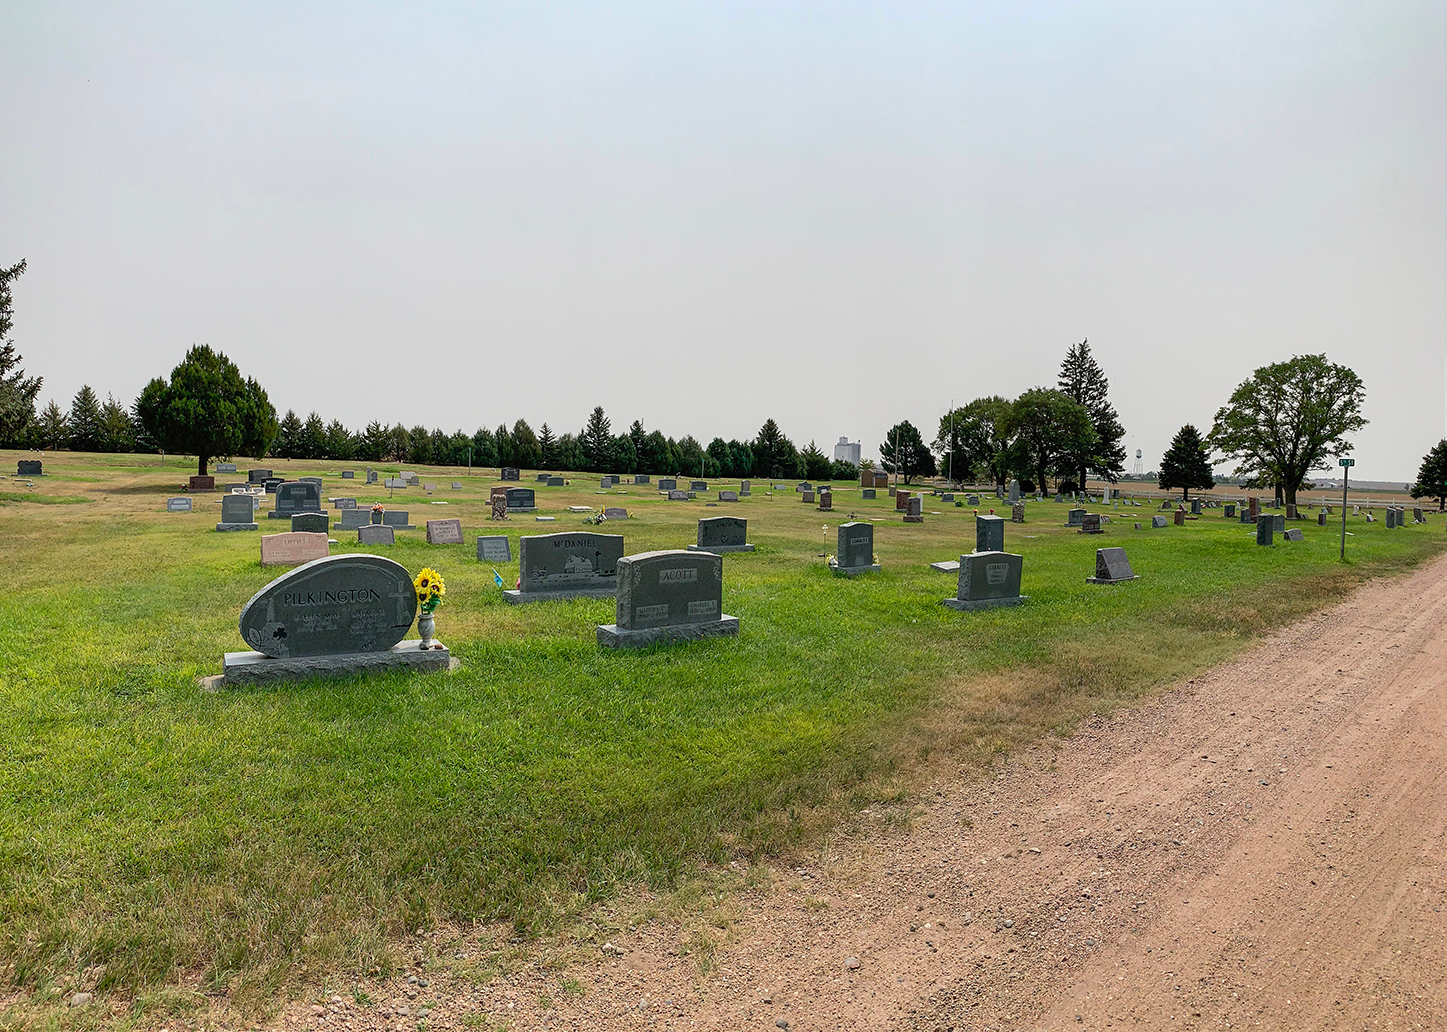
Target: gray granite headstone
<point x="698" y="485"/>
<point x="723" y="534"/>
<point x="520" y="499"/>
<point x="1229" y="511"/>
<point x="989" y="533"/>
<point x="728" y="496"/>
<point x="1265" y="526"/>
<point x="614" y="512"/>
<point x="225" y="467"/>
<point x="555" y="481"/>
<point x="678" y="496"/>
<point x="178" y="505"/>
<point x="457" y="485"/>
<point x="1321" y="519"/>
<point x="542" y="478"/>
<point x="1014" y="491"/>
<point x="671" y="595"/>
<point x="238" y="512"/>
<point x="914" y="509"/>
<point x="376" y="534"/>
<point x="1294" y="534"/>
<point x="567" y="565"/>
<point x="348" y="474"/>
<point x="1195" y="506"/>
<point x="854" y="552"/>
<point x="640" y="478"/>
<point x="1075" y="517"/>
<point x="351" y="519"/>
<point x="1158" y="522"/>
<point x="972" y="500"/>
<point x="258" y="476"/>
<point x="745" y="489"/>
<point x="397" y="519"/>
<point x="494" y="548"/>
<point x="344" y="503"/>
<point x="371" y="476"/>
<point x="826" y="501"/>
<point x="309" y="480"/>
<point x="331" y="606"/>
<point x="311" y="523"/>
<point x="867" y="494"/>
<point x="1279" y="521"/>
<point x="509" y="473"/>
<point x="1111" y="567"/>
<point x="987" y="580"/>
<point x="296" y="496"/>
<point x="667" y="484"/>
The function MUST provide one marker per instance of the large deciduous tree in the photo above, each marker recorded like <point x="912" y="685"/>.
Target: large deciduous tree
<point x="1083" y="382"/>
<point x="903" y="451"/>
<point x="207" y="410"/>
<point x="1289" y="419"/>
<point x="973" y="440"/>
<point x="1187" y="463"/>
<point x="1432" y="477"/>
<point x="17" y="391"/>
<point x="1049" y="431"/>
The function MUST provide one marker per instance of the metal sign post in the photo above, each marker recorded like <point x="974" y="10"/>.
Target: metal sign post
<point x="1346" y="468"/>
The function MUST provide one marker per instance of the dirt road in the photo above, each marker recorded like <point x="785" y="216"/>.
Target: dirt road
<point x="1261" y="847"/>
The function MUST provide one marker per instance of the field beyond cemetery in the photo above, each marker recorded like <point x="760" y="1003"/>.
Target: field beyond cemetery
<point x="244" y="843"/>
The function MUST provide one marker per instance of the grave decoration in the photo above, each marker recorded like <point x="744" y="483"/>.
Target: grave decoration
<point x="566" y="565"/>
<point x="855" y="550"/>
<point x="1111" y="567"/>
<point x="430" y="589"/>
<point x="988" y="580"/>
<point x="722" y="534"/>
<point x="338" y="615"/>
<point x="668" y="596"/>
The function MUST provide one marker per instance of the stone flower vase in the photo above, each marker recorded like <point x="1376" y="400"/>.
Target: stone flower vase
<point x="425" y="627"/>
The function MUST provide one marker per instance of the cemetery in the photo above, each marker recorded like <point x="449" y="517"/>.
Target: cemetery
<point x="269" y="681"/>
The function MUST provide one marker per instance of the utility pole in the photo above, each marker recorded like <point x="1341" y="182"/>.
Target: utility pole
<point x="1346" y="469"/>
<point x="950" y="474"/>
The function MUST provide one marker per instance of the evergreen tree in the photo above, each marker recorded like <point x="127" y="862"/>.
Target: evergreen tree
<point x="569" y="453"/>
<point x="116" y="431"/>
<point x="207" y="410"/>
<point x="817" y="465"/>
<point x="399" y="444"/>
<point x="374" y="442"/>
<point x="288" y="437"/>
<point x="484" y="447"/>
<point x="505" y="453"/>
<point x="1432" y="476"/>
<point x="1084" y="382"/>
<point x="774" y="454"/>
<point x="636" y="434"/>
<point x="903" y="451"/>
<point x="656" y="455"/>
<point x="548" y="446"/>
<point x="17" y="391"/>
<point x="339" y="442"/>
<point x="1186" y="463"/>
<point x="419" y="446"/>
<point x="313" y="437"/>
<point x="597" y="439"/>
<point x="689" y="455"/>
<point x="621" y="456"/>
<point x="85" y="421"/>
<point x="741" y="460"/>
<point x="526" y="451"/>
<point x="52" y="429"/>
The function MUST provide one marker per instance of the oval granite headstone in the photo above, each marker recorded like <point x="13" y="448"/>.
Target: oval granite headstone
<point x="332" y="606"/>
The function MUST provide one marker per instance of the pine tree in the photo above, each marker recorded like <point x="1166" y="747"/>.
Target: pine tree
<point x="1432" y="477"/>
<point x="548" y="445"/>
<point x="52" y="429"/>
<point x="1186" y="463"/>
<point x="17" y="391"/>
<point x="598" y="439"/>
<point x="903" y="451"/>
<point x="1084" y="382"/>
<point x="85" y="421"/>
<point x="288" y="436"/>
<point x="117" y="433"/>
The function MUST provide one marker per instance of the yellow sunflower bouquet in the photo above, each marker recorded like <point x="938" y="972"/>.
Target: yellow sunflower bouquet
<point x="430" y="589"/>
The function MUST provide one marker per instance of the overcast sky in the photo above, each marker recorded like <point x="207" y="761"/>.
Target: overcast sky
<point x="701" y="216"/>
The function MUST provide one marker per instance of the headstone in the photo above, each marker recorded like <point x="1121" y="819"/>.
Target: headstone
<point x="348" y="474"/>
<point x="352" y="519"/>
<point x="826" y="501"/>
<point x="371" y="476"/>
<point x="1321" y="518"/>
<point x="555" y="481"/>
<point x="1157" y="522"/>
<point x="987" y="580"/>
<point x="397" y="519"/>
<point x="867" y="494"/>
<point x="1195" y="506"/>
<point x="1074" y="518"/>
<point x="914" y="512"/>
<point x="901" y="501"/>
<point x="296" y="496"/>
<point x="1111" y="567"/>
<point x="225" y="467"/>
<point x="1291" y="510"/>
<point x="745" y="489"/>
<point x="989" y="533"/>
<point x="542" y="478"/>
<point x="457" y="485"/>
<point x="667" y="484"/>
<point x="292" y="549"/>
<point x="948" y="566"/>
<point x="311" y="523"/>
<point x="336" y="605"/>
<point x="309" y="480"/>
<point x="673" y="595"/>
<point x="1279" y="521"/>
<point x="498" y="491"/>
<point x="1017" y="512"/>
<point x="972" y="500"/>
<point x="1264" y="529"/>
<point x="567" y="565"/>
<point x="1180" y="517"/>
<point x="728" y="496"/>
<point x="1014" y="491"/>
<point x="1294" y="534"/>
<point x="343" y="503"/>
<point x="1230" y="511"/>
<point x="444" y="532"/>
<point x="805" y="486"/>
<point x="722" y="534"/>
<point x="201" y="484"/>
<point x="855" y="550"/>
<point x="1417" y="516"/>
<point x="605" y="483"/>
<point x="1166" y="505"/>
<point x="494" y="548"/>
<point x="614" y="512"/>
<point x="948" y="496"/>
<point x="678" y="496"/>
<point x="238" y="512"/>
<point x="394" y="482"/>
<point x="376" y="534"/>
<point x="509" y="473"/>
<point x="1391" y="518"/>
<point x="1090" y="524"/>
<point x="1254" y="504"/>
<point x="520" y="499"/>
<point x="179" y="504"/>
<point x="641" y="478"/>
<point x="807" y="497"/>
<point x="258" y="476"/>
<point x="698" y="485"/>
<point x="28" y="468"/>
<point x="1059" y="498"/>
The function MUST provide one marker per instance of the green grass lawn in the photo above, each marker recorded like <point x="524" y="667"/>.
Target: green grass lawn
<point x="257" y="838"/>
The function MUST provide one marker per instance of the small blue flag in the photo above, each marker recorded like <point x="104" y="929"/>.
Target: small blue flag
<point x="496" y="577"/>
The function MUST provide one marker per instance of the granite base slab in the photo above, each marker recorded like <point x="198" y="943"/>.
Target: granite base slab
<point x="914" y="519"/>
<point x="239" y="668"/>
<point x="1107" y="580"/>
<point x="238" y="526"/>
<point x="720" y="549"/>
<point x="852" y="571"/>
<point x="968" y="606"/>
<point x="517" y="598"/>
<point x="611" y="636"/>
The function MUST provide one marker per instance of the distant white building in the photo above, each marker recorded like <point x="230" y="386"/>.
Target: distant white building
<point x="846" y="452"/>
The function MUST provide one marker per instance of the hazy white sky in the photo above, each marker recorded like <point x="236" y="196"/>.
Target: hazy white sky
<point x="837" y="215"/>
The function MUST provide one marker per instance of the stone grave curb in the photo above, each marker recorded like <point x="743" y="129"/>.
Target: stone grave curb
<point x="253" y="668"/>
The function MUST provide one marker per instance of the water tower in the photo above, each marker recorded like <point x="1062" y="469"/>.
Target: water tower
<point x="1137" y="462"/>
